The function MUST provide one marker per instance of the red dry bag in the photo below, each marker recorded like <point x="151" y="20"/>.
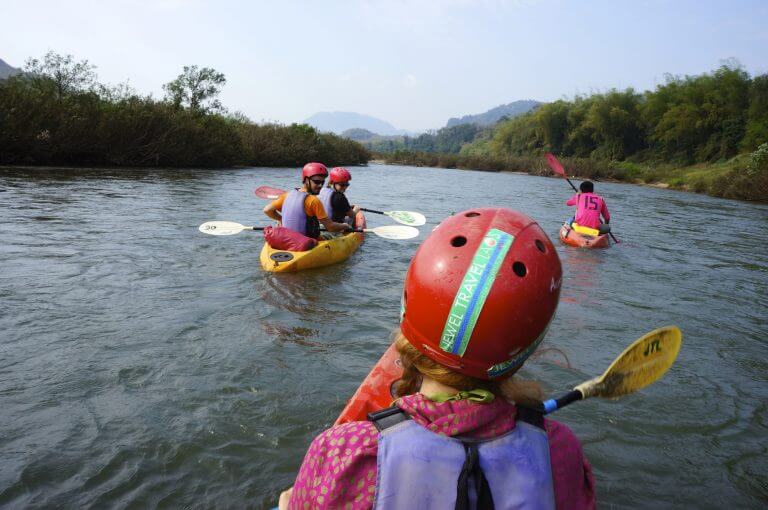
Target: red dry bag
<point x="282" y="238"/>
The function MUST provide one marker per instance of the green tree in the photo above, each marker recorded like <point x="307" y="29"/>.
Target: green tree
<point x="196" y="88"/>
<point x="614" y="120"/>
<point x="552" y="125"/>
<point x="581" y="140"/>
<point x="65" y="74"/>
<point x="516" y="137"/>
<point x="699" y="118"/>
<point x="757" y="114"/>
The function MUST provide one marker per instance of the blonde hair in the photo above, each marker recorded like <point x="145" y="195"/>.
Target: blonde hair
<point x="415" y="365"/>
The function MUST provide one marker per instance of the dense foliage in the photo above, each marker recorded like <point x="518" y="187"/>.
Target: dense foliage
<point x="294" y="145"/>
<point x="57" y="114"/>
<point x="704" y="118"/>
<point x="710" y="117"/>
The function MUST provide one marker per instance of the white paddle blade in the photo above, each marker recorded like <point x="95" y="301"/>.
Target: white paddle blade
<point x="394" y="232"/>
<point x="221" y="228"/>
<point x="411" y="218"/>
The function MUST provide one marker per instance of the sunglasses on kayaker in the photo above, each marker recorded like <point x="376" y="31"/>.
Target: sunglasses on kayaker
<point x="318" y="182"/>
<point x="342" y="184"/>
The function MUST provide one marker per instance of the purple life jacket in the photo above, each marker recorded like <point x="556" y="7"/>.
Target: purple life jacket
<point x="294" y="216"/>
<point x="325" y="198"/>
<point x="418" y="468"/>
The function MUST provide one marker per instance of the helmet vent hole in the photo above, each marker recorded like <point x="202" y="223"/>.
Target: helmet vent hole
<point x="540" y="246"/>
<point x="458" y="241"/>
<point x="472" y="214"/>
<point x="519" y="269"/>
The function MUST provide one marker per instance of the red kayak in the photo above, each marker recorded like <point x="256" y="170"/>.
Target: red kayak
<point x="375" y="393"/>
<point x="573" y="238"/>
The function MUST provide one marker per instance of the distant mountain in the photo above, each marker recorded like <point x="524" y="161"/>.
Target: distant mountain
<point x="493" y="115"/>
<point x="6" y="70"/>
<point x="338" y="122"/>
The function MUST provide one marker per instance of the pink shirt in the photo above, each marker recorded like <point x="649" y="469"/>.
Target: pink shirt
<point x="339" y="470"/>
<point x="589" y="207"/>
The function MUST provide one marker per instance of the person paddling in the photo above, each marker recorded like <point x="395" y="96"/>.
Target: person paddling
<point x="300" y="209"/>
<point x="478" y="298"/>
<point x="589" y="208"/>
<point x="335" y="201"/>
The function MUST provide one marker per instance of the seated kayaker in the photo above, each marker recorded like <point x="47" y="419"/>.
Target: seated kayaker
<point x="589" y="208"/>
<point x="478" y="298"/>
<point x="300" y="209"/>
<point x="335" y="201"/>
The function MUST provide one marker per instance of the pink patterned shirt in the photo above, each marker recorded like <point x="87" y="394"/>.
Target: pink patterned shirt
<point x="339" y="470"/>
<point x="589" y="207"/>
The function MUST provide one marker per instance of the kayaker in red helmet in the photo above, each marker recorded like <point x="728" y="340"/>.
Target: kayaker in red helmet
<point x="334" y="200"/>
<point x="300" y="209"/>
<point x="589" y="208"/>
<point x="478" y="298"/>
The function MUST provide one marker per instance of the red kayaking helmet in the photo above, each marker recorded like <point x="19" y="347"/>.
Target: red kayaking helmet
<point x="340" y="174"/>
<point x="481" y="291"/>
<point x="311" y="169"/>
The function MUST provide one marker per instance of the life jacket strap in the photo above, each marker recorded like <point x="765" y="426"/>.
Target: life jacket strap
<point x="388" y="417"/>
<point x="472" y="473"/>
<point x="530" y="415"/>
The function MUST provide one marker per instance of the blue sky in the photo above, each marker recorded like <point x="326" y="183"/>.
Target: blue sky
<point x="413" y="63"/>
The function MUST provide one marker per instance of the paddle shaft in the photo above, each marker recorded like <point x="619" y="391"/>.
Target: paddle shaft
<point x="553" y="404"/>
<point x="371" y="210"/>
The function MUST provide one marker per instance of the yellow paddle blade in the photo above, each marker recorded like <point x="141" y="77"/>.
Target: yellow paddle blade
<point x="642" y="363"/>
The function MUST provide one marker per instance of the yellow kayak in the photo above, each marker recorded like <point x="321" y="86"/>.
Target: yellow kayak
<point x="327" y="252"/>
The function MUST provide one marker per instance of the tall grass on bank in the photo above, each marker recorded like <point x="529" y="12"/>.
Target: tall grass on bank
<point x="42" y="125"/>
<point x="748" y="180"/>
<point x="582" y="167"/>
<point x="295" y="145"/>
<point x="744" y="177"/>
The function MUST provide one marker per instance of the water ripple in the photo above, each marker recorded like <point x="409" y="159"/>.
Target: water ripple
<point x="144" y="364"/>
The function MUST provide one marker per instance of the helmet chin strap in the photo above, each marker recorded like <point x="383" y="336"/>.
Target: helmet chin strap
<point x="308" y="185"/>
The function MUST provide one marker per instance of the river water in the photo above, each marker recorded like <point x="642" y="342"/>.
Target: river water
<point x="144" y="364"/>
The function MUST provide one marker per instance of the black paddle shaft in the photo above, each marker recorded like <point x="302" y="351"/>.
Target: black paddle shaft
<point x="344" y="231"/>
<point x="371" y="210"/>
<point x="554" y="404"/>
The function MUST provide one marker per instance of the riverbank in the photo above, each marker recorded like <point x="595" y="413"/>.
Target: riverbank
<point x="744" y="177"/>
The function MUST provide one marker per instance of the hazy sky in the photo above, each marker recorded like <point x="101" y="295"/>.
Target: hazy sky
<point x="413" y="63"/>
